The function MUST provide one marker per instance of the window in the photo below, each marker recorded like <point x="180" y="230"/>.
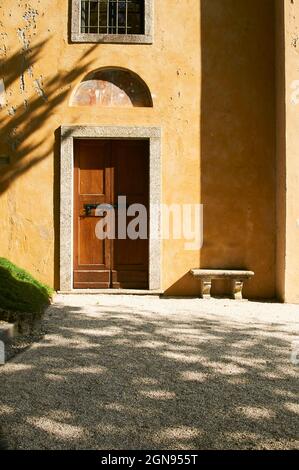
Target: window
<point x="120" y="21"/>
<point x="112" y="17"/>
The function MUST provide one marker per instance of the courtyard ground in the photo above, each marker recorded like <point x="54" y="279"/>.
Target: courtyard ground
<point x="130" y="372"/>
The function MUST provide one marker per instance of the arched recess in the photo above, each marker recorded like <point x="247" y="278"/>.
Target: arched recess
<point x="112" y="87"/>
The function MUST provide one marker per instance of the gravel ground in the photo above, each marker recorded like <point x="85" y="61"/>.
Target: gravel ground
<point x="3" y="442"/>
<point x="19" y="344"/>
<point x="117" y="372"/>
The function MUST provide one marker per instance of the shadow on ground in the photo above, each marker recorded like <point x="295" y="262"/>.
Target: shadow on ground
<point x="155" y="376"/>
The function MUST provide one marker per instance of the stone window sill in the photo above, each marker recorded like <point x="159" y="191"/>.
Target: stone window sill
<point x="112" y="38"/>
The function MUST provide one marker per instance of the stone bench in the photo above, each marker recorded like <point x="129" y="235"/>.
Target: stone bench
<point x="237" y="278"/>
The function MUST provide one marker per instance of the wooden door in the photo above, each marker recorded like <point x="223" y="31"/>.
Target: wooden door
<point x="92" y="185"/>
<point x="103" y="170"/>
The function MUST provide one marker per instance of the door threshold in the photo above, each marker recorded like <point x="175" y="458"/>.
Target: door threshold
<point x="112" y="292"/>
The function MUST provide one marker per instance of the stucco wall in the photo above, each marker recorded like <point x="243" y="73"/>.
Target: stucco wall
<point x="288" y="149"/>
<point x="238" y="138"/>
<point x="211" y="74"/>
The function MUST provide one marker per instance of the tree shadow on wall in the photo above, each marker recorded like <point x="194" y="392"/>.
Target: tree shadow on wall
<point x="20" y="126"/>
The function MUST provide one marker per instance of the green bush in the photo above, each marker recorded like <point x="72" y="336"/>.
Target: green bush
<point x="20" y="292"/>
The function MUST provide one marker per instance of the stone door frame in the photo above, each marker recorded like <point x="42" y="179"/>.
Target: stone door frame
<point x="68" y="134"/>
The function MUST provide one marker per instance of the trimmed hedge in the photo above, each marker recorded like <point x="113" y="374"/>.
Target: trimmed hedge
<point x="20" y="292"/>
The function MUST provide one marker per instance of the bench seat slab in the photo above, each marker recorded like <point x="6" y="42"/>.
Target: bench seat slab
<point x="221" y="274"/>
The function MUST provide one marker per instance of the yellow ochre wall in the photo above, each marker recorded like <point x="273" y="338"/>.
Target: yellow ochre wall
<point x="211" y="71"/>
<point x="287" y="40"/>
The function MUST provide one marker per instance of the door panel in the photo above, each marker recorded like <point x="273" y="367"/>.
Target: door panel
<point x="130" y="160"/>
<point x="92" y="170"/>
<point x="91" y="250"/>
<point x="92" y="185"/>
<point x="105" y="169"/>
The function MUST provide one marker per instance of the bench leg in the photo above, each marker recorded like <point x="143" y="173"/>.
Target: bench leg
<point x="206" y="289"/>
<point x="237" y="287"/>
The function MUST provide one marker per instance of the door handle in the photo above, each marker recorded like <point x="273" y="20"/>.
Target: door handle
<point x="88" y="208"/>
<point x="105" y="207"/>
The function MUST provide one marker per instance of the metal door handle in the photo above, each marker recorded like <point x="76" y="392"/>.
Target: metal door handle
<point x="88" y="208"/>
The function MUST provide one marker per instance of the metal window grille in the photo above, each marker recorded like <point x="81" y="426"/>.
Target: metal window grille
<point x="112" y="16"/>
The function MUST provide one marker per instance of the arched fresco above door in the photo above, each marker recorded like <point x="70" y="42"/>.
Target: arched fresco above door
<point x="112" y="87"/>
